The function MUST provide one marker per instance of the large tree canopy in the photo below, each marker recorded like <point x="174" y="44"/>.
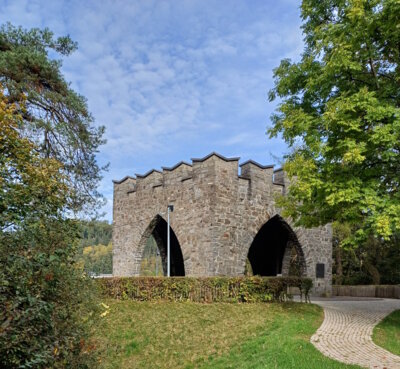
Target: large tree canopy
<point x="340" y="115"/>
<point x="55" y="117"/>
<point x="45" y="305"/>
<point x="47" y="171"/>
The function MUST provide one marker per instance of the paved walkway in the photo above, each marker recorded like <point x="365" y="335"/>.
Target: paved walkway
<point x="345" y="334"/>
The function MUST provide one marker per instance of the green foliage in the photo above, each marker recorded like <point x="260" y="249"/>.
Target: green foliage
<point x="29" y="184"/>
<point x="340" y="114"/>
<point x="248" y="270"/>
<point x="97" y="259"/>
<point x="93" y="256"/>
<point x="54" y="116"/>
<point x="374" y="261"/>
<point x="46" y="304"/>
<point x="207" y="289"/>
<point x="151" y="263"/>
<point x="95" y="232"/>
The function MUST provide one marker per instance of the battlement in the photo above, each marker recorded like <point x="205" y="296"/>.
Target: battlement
<point x="211" y="168"/>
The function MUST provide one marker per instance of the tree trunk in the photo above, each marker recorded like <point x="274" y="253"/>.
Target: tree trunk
<point x="339" y="266"/>
<point x="373" y="271"/>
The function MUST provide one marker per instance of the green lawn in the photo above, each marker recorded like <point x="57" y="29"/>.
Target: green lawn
<point x="387" y="333"/>
<point x="189" y="335"/>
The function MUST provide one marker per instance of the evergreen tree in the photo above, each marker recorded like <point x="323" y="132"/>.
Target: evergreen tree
<point x="54" y="116"/>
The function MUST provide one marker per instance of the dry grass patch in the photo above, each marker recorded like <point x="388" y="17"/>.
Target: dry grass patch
<point x="170" y="335"/>
<point x="188" y="335"/>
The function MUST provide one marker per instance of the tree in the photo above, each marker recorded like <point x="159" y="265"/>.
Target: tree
<point x="55" y="117"/>
<point x="30" y="185"/>
<point x="95" y="232"/>
<point x="45" y="301"/>
<point x="48" y="172"/>
<point x="97" y="259"/>
<point x="374" y="261"/>
<point x="92" y="255"/>
<point x="340" y="115"/>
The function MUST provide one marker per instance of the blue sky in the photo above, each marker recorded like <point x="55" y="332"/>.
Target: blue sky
<point x="172" y="80"/>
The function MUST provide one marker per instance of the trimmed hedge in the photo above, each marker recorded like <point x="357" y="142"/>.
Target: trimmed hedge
<point x="204" y="289"/>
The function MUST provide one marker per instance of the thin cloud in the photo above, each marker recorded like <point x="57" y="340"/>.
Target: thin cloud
<point x="172" y="80"/>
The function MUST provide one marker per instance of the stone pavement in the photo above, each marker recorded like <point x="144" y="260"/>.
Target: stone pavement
<point x="345" y="334"/>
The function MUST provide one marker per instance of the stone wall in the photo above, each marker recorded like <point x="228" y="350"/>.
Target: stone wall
<point x="217" y="214"/>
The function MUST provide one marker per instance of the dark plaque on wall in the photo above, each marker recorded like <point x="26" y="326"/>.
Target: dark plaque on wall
<point x="320" y="270"/>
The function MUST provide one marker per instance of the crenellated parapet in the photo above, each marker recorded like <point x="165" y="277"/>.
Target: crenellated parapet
<point x="124" y="186"/>
<point x="177" y="174"/>
<point x="208" y="168"/>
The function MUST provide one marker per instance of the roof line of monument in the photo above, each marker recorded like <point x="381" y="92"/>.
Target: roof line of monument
<point x="176" y="166"/>
<point x="257" y="164"/>
<point x="195" y="160"/>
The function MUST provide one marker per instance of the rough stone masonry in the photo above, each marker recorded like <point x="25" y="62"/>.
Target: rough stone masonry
<point x="220" y="220"/>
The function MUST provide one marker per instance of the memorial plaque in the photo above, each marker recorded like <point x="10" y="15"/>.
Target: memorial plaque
<point x="320" y="270"/>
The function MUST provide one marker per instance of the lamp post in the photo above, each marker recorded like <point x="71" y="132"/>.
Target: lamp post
<point x="157" y="256"/>
<point x="169" y="209"/>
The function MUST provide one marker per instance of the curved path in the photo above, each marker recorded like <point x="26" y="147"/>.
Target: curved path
<point x="345" y="334"/>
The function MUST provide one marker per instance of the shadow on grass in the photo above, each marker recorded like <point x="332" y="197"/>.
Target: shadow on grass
<point x="387" y="333"/>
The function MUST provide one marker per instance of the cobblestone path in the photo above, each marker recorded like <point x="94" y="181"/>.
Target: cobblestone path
<point x="345" y="334"/>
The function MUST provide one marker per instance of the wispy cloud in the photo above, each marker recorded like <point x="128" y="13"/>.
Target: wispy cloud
<point x="172" y="79"/>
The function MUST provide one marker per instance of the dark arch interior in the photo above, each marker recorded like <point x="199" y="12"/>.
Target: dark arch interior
<point x="160" y="235"/>
<point x="268" y="248"/>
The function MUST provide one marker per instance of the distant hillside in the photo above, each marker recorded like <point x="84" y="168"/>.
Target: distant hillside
<point x="95" y="248"/>
<point x="95" y="232"/>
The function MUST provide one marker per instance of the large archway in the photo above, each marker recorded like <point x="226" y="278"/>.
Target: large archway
<point x="157" y="230"/>
<point x="276" y="250"/>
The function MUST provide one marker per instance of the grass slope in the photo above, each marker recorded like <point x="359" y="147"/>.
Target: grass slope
<point x="189" y="335"/>
<point x="387" y="333"/>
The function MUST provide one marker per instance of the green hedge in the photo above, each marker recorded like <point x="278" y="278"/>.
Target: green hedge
<point x="207" y="289"/>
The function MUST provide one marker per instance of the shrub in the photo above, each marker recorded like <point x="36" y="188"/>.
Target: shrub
<point x="204" y="289"/>
<point x="46" y="305"/>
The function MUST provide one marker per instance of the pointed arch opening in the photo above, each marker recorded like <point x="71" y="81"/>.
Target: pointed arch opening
<point x="275" y="250"/>
<point x="154" y="254"/>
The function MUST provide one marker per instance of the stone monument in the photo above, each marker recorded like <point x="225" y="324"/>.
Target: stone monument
<point x="222" y="221"/>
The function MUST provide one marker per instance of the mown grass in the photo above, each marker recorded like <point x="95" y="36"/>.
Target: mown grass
<point x="189" y="335"/>
<point x="387" y="333"/>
